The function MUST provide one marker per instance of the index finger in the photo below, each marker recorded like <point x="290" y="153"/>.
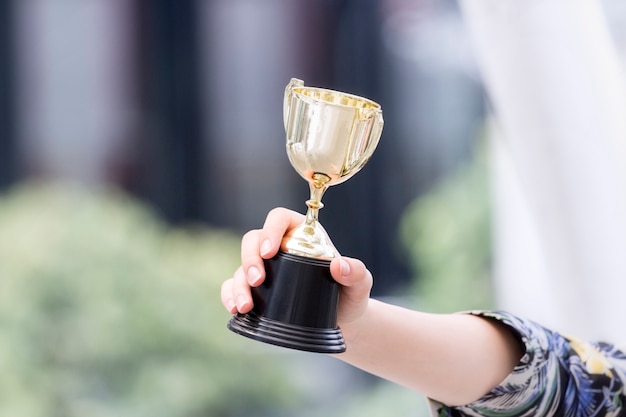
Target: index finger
<point x="265" y="243"/>
<point x="277" y="223"/>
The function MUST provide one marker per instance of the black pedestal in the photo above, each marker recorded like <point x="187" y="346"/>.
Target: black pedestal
<point x="295" y="307"/>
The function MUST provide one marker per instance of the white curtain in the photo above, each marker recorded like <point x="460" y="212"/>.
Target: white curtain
<point x="558" y="98"/>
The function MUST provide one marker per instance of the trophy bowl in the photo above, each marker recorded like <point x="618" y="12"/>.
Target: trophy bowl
<point x="330" y="136"/>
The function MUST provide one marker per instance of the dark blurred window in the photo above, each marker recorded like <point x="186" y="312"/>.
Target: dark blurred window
<point x="183" y="106"/>
<point x="7" y="138"/>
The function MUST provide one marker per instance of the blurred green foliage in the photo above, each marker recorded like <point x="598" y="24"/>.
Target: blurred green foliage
<point x="447" y="235"/>
<point x="106" y="311"/>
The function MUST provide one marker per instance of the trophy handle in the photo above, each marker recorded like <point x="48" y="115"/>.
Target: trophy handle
<point x="295" y="82"/>
<point x="366" y="133"/>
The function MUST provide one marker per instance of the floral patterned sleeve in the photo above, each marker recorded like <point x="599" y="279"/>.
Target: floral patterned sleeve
<point x="557" y="376"/>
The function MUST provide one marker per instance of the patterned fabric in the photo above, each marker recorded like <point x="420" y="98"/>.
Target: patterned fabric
<point x="557" y="376"/>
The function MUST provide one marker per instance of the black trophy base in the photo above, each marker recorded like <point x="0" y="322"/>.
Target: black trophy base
<point x="295" y="307"/>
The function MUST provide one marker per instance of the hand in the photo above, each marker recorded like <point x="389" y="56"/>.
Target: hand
<point x="453" y="358"/>
<point x="256" y="245"/>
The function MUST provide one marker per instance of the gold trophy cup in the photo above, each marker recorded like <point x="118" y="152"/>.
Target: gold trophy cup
<point x="330" y="137"/>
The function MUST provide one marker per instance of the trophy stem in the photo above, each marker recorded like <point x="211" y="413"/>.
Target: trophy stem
<point x="313" y="208"/>
<point x="318" y="188"/>
<point x="309" y="239"/>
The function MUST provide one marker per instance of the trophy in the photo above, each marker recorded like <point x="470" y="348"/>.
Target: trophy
<point x="330" y="137"/>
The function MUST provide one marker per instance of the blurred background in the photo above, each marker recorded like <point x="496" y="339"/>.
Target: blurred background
<point x="139" y="140"/>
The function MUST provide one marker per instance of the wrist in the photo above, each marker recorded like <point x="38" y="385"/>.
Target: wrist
<point x="354" y="331"/>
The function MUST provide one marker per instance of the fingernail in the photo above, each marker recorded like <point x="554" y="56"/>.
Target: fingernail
<point x="230" y="305"/>
<point x="266" y="247"/>
<point x="241" y="302"/>
<point x="345" y="268"/>
<point x="254" y="275"/>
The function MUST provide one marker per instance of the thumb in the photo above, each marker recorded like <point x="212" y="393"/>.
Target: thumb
<point x="356" y="284"/>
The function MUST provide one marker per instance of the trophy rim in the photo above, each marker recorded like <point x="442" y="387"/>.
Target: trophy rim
<point x="300" y="91"/>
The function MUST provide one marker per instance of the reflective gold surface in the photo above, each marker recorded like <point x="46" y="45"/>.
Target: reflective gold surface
<point x="330" y="137"/>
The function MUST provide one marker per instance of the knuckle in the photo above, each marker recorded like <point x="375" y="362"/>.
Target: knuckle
<point x="250" y="234"/>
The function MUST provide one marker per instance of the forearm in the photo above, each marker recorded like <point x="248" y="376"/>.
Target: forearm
<point x="454" y="359"/>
